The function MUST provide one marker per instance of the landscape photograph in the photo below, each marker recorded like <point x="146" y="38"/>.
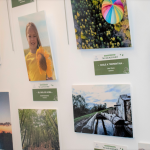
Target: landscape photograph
<point x="5" y="123"/>
<point x="103" y="109"/>
<point x="39" y="129"/>
<point x="101" y="24"/>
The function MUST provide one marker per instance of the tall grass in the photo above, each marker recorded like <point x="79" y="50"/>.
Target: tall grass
<point x="88" y="115"/>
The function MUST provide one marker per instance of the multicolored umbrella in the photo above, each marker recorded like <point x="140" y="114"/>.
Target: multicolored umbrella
<point x="112" y="11"/>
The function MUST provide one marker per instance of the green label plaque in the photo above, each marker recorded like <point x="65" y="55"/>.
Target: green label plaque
<point x="16" y="3"/>
<point x="111" y="64"/>
<point x="45" y="95"/>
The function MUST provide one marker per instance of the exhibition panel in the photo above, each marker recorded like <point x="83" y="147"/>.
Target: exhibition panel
<point x="77" y="72"/>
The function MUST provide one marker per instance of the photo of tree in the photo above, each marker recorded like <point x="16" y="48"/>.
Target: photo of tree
<point x="39" y="129"/>
<point x="103" y="109"/>
<point x="93" y="31"/>
<point x="5" y="123"/>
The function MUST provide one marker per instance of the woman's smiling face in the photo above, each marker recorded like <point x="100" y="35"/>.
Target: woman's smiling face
<point x="32" y="39"/>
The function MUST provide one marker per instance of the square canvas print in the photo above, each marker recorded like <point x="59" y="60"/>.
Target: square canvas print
<point x="36" y="46"/>
<point x="101" y="24"/>
<point x="39" y="129"/>
<point x="143" y="146"/>
<point x="5" y="123"/>
<point x="102" y="109"/>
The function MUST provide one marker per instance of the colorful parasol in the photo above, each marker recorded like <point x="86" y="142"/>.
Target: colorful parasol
<point x="112" y="11"/>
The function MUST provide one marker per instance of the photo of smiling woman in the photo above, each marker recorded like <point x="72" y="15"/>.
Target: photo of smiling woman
<point x="37" y="49"/>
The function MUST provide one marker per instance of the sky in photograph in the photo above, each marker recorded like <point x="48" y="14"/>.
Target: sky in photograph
<point x="100" y="94"/>
<point x="40" y="22"/>
<point x="4" y="107"/>
<point x="5" y="113"/>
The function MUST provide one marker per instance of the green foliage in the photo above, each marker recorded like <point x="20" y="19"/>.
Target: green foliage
<point x="6" y="141"/>
<point x="88" y="116"/>
<point x="81" y="108"/>
<point x="90" y="25"/>
<point x="39" y="129"/>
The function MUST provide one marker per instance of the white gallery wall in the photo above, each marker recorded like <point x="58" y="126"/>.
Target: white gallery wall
<point x="75" y="67"/>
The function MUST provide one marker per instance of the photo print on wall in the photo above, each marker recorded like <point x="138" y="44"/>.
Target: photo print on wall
<point x="101" y="24"/>
<point x="5" y="123"/>
<point x="39" y="129"/>
<point x="37" y="48"/>
<point x="103" y="109"/>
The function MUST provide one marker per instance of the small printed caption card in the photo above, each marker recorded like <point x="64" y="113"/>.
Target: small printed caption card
<point x="105" y="146"/>
<point x="44" y="92"/>
<point x="143" y="146"/>
<point x="108" y="64"/>
<point x="16" y="3"/>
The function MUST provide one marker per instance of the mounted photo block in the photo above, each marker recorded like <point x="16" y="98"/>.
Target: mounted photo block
<point x="39" y="129"/>
<point x="101" y="24"/>
<point x="103" y="109"/>
<point x="37" y="48"/>
<point x="5" y="123"/>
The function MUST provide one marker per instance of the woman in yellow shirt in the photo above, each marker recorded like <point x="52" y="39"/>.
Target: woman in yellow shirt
<point x="37" y="61"/>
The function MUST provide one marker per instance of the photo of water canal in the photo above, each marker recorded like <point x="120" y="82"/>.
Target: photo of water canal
<point x="103" y="110"/>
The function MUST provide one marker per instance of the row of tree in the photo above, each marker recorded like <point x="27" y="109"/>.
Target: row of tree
<point x="39" y="129"/>
<point x="6" y="141"/>
<point x="81" y="108"/>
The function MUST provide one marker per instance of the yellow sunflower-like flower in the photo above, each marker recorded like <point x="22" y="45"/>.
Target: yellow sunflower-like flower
<point x="43" y="61"/>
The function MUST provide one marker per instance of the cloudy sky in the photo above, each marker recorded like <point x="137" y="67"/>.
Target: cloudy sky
<point x="100" y="94"/>
<point x="4" y="107"/>
<point x="39" y="20"/>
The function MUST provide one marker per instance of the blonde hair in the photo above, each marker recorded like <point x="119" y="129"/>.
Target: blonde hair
<point x="31" y="24"/>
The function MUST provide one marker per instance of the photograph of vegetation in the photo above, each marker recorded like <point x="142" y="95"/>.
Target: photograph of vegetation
<point x="39" y="129"/>
<point x="93" y="31"/>
<point x="5" y="123"/>
<point x="102" y="109"/>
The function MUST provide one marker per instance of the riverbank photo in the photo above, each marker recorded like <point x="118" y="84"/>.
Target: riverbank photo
<point x="39" y="129"/>
<point x="101" y="24"/>
<point x="5" y="123"/>
<point x="36" y="47"/>
<point x="103" y="109"/>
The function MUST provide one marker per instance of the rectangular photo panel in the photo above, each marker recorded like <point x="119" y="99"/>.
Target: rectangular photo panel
<point x="5" y="123"/>
<point x="101" y="24"/>
<point x="39" y="129"/>
<point x="103" y="109"/>
<point x="36" y="46"/>
<point x="45" y="94"/>
<point x="16" y="3"/>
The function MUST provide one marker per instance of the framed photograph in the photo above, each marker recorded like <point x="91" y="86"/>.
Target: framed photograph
<point x="101" y="24"/>
<point x="36" y="47"/>
<point x="103" y="109"/>
<point x="39" y="129"/>
<point x="5" y="123"/>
